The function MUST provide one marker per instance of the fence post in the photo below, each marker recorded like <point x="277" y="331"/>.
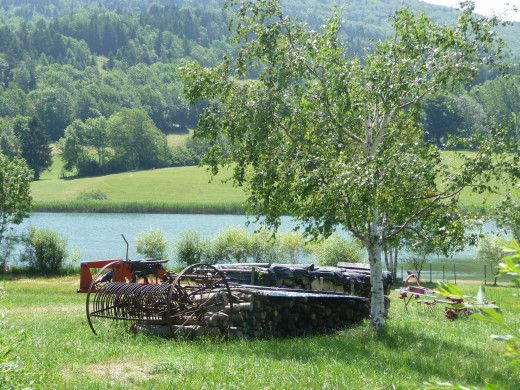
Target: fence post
<point x="485" y="275"/>
<point x="443" y="272"/>
<point x="430" y="272"/>
<point x="454" y="273"/>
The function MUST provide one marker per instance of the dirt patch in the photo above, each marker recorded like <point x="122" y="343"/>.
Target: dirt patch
<point x="124" y="373"/>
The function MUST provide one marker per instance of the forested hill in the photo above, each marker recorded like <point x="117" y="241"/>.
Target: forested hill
<point x="82" y="72"/>
<point x="363" y="18"/>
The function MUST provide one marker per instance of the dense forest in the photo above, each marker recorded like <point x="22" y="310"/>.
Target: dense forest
<point x="98" y="78"/>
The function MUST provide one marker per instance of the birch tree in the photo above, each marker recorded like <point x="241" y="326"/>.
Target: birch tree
<point x="15" y="193"/>
<point x="334" y="140"/>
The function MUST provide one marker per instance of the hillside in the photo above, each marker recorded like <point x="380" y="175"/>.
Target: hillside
<point x="85" y="65"/>
<point x="363" y="18"/>
<point x="182" y="184"/>
<point x="169" y="190"/>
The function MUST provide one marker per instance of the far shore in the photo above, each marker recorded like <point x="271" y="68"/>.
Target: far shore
<point x="170" y="207"/>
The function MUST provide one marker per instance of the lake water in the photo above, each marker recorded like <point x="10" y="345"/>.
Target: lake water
<point x="98" y="235"/>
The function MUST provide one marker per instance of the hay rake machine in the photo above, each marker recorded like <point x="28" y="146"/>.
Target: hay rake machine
<point x="143" y="293"/>
<point x="454" y="306"/>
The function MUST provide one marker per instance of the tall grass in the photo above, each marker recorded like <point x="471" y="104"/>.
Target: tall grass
<point x="140" y="206"/>
<point x="416" y="346"/>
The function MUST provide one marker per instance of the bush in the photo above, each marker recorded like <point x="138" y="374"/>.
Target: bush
<point x="45" y="250"/>
<point x="337" y="248"/>
<point x="291" y="246"/>
<point x="232" y="245"/>
<point x="490" y="250"/>
<point x="262" y="247"/>
<point x="191" y="248"/>
<point x="7" y="248"/>
<point x="92" y="195"/>
<point x="152" y="244"/>
<point x="89" y="168"/>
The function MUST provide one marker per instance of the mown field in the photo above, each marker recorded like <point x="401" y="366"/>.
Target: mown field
<point x="416" y="347"/>
<point x="161" y="190"/>
<point x="183" y="189"/>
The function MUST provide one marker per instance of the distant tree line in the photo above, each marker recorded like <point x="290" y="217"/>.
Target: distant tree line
<point x="127" y="140"/>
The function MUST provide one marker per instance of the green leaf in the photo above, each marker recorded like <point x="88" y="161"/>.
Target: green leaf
<point x="449" y="290"/>
<point x="490" y="315"/>
<point x="481" y="296"/>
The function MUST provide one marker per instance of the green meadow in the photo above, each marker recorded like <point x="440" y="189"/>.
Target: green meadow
<point x="182" y="189"/>
<point x="173" y="190"/>
<point x="417" y="346"/>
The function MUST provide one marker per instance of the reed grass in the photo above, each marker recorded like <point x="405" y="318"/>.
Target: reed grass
<point x="139" y="206"/>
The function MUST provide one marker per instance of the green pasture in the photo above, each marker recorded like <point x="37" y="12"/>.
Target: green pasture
<point x="417" y="346"/>
<point x="160" y="189"/>
<point x="175" y="139"/>
<point x="473" y="201"/>
<point x="174" y="189"/>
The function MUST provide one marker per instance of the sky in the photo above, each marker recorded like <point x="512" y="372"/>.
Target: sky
<point x="487" y="7"/>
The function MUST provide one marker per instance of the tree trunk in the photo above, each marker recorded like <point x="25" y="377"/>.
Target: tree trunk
<point x="391" y="260"/>
<point x="394" y="271"/>
<point x="377" y="311"/>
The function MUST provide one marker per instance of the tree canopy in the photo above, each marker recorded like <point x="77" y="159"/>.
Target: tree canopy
<point x="334" y="140"/>
<point x="15" y="198"/>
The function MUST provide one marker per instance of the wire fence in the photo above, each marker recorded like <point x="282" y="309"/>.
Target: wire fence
<point x="433" y="272"/>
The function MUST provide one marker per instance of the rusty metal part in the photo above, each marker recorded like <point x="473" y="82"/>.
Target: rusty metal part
<point x="147" y="271"/>
<point x="184" y="301"/>
<point x="455" y="305"/>
<point x="196" y="289"/>
<point x="118" y="270"/>
<point x="143" y="303"/>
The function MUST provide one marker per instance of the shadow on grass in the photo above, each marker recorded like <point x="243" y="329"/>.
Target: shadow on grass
<point x="421" y="356"/>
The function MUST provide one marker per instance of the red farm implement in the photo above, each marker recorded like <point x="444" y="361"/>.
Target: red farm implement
<point x="454" y="305"/>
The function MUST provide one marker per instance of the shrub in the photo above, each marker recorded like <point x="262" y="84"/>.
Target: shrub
<point x="337" y="248"/>
<point x="262" y="246"/>
<point x="7" y="248"/>
<point x="191" y="248"/>
<point x="490" y="249"/>
<point x="291" y="247"/>
<point x="231" y="245"/>
<point x="92" y="195"/>
<point x="45" y="250"/>
<point x="89" y="168"/>
<point x="152" y="244"/>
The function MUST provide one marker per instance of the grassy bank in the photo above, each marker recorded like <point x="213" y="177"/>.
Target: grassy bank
<point x="416" y="346"/>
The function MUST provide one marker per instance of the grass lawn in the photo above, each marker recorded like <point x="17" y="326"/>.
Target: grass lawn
<point x="178" y="139"/>
<point x="416" y="346"/>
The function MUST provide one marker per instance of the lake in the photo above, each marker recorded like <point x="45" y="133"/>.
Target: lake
<point x="98" y="235"/>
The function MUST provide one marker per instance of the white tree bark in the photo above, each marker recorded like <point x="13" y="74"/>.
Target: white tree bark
<point x="391" y="260"/>
<point x="377" y="307"/>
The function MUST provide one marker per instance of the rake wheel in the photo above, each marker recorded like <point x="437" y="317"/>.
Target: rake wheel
<point x="198" y="288"/>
